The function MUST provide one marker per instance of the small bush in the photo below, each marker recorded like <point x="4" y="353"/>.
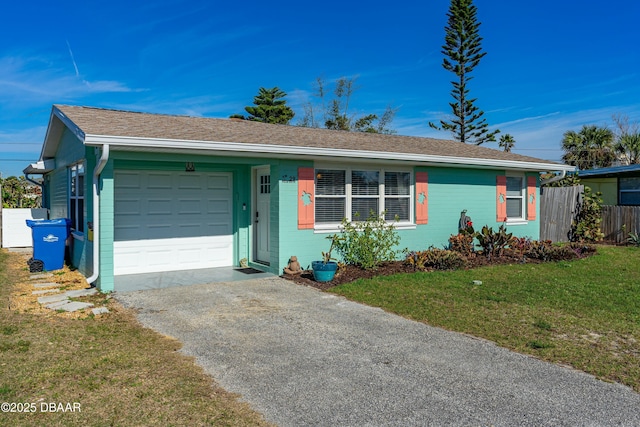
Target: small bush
<point x="586" y="227"/>
<point x="367" y="243"/>
<point x="633" y="239"/>
<point x="436" y="259"/>
<point x="493" y="243"/>
<point x="462" y="243"/>
<point x="544" y="250"/>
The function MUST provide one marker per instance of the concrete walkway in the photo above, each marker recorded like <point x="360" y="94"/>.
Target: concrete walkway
<point x="303" y="357"/>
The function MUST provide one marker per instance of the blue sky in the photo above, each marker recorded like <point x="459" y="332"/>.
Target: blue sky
<point x="551" y="66"/>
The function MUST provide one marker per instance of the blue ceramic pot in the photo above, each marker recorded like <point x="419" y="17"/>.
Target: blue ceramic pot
<point x="324" y="272"/>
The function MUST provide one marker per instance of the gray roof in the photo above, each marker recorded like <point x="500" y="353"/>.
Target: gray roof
<point x="211" y="131"/>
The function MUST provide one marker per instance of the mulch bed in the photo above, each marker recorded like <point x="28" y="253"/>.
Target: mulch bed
<point x="350" y="273"/>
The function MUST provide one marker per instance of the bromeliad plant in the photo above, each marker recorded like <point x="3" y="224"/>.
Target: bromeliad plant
<point x="462" y="242"/>
<point x="493" y="243"/>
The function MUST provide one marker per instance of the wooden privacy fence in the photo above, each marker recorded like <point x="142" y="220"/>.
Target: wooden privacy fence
<point x="619" y="221"/>
<point x="558" y="207"/>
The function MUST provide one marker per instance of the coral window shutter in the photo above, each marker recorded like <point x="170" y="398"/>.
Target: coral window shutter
<point x="501" y="198"/>
<point x="305" y="197"/>
<point x="531" y="197"/>
<point x="422" y="199"/>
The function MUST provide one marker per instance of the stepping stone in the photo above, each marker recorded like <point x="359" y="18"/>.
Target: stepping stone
<point x="56" y="305"/>
<point x="45" y="285"/>
<point x="100" y="310"/>
<point x="45" y="291"/>
<point x="75" y="306"/>
<point x="52" y="298"/>
<point x="81" y="292"/>
<point x="40" y="276"/>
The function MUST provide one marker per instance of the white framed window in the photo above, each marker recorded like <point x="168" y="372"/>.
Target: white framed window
<point x="629" y="189"/>
<point x="352" y="193"/>
<point x="516" y="198"/>
<point x="76" y="197"/>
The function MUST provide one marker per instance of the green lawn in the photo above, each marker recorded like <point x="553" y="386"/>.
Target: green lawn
<point x="583" y="313"/>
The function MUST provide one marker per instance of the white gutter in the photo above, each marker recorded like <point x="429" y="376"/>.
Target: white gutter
<point x="96" y="214"/>
<point x="563" y="173"/>
<point x="292" y="151"/>
<point x="28" y="178"/>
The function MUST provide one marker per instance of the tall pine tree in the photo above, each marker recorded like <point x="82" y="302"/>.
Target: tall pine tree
<point x="463" y="52"/>
<point x="270" y="107"/>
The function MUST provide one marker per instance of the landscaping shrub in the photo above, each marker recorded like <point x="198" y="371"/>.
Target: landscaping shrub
<point x="462" y="243"/>
<point x="586" y="226"/>
<point x="633" y="239"/>
<point x="493" y="243"/>
<point x="545" y="250"/>
<point x="436" y="259"/>
<point x="367" y="243"/>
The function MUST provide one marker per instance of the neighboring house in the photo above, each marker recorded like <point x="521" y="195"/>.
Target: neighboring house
<point x="619" y="185"/>
<point x="177" y="193"/>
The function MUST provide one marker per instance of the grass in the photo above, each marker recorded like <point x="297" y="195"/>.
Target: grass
<point x="583" y="313"/>
<point x="119" y="372"/>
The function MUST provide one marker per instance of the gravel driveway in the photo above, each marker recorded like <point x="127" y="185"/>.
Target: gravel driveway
<point x="303" y="357"/>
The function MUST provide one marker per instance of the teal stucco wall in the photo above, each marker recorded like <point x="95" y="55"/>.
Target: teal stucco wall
<point x="70" y="151"/>
<point x="450" y="191"/>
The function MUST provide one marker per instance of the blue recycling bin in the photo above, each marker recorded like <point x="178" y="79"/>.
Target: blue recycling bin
<point x="49" y="241"/>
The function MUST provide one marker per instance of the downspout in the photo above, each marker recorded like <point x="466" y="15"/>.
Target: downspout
<point x="554" y="179"/>
<point x="28" y="178"/>
<point x="96" y="213"/>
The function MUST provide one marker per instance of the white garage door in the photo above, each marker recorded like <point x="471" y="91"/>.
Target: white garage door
<point x="168" y="221"/>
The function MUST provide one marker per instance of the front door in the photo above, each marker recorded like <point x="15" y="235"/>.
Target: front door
<point x="262" y="215"/>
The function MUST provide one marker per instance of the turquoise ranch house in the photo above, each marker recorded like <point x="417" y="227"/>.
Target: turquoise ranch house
<point x="151" y="193"/>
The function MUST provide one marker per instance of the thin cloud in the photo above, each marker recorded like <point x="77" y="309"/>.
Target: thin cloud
<point x="24" y="80"/>
<point x="75" y="66"/>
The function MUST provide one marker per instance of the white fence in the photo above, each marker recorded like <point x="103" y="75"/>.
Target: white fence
<point x="15" y="232"/>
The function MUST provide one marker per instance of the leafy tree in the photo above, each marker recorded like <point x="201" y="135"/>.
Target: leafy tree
<point x="591" y="147"/>
<point x="270" y="107"/>
<point x="19" y="193"/>
<point x="506" y="142"/>
<point x="463" y="52"/>
<point x="627" y="143"/>
<point x="335" y="114"/>
<point x="570" y="180"/>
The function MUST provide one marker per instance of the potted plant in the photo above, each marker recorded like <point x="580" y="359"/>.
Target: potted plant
<point x="323" y="271"/>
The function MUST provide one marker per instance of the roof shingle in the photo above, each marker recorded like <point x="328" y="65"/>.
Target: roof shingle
<point x="117" y="123"/>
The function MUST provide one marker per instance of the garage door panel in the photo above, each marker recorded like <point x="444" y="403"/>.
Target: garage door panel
<point x="129" y="180"/>
<point x="159" y="181"/>
<point x="189" y="181"/>
<point x="128" y="207"/>
<point x="148" y="256"/>
<point x="160" y="207"/>
<point x="169" y="221"/>
<point x="218" y="182"/>
<point x="189" y="206"/>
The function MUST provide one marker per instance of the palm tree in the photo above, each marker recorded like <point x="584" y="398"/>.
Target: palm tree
<point x="628" y="146"/>
<point x="590" y="148"/>
<point x="506" y="142"/>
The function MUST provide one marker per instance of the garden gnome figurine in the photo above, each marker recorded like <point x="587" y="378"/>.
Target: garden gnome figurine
<point x="465" y="221"/>
<point x="293" y="267"/>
